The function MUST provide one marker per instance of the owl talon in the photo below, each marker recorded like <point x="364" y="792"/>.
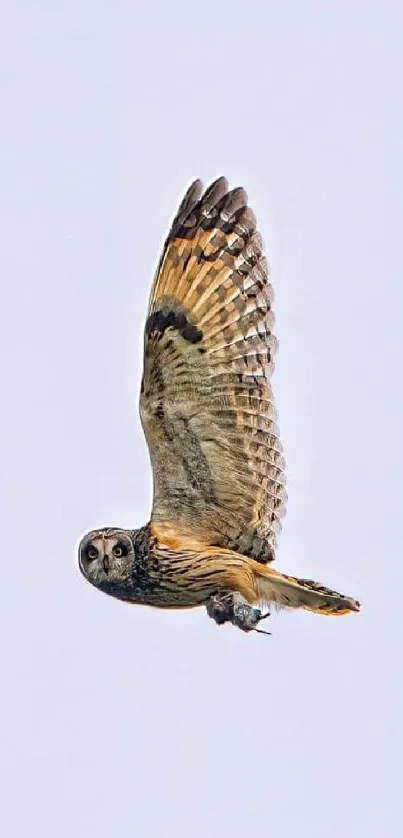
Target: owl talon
<point x="232" y="608"/>
<point x="220" y="608"/>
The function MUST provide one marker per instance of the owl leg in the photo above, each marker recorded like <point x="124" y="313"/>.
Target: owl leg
<point x="233" y="608"/>
<point x="219" y="607"/>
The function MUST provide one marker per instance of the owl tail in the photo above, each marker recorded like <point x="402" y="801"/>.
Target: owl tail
<point x="289" y="592"/>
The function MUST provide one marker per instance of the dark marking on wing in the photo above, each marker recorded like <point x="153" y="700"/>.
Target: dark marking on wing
<point x="159" y="321"/>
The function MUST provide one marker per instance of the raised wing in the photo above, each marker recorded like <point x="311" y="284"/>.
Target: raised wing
<point x="206" y="402"/>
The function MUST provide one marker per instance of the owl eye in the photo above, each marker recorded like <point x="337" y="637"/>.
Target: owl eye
<point x="120" y="550"/>
<point x="91" y="552"/>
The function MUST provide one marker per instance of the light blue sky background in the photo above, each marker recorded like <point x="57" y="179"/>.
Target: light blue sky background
<point x="119" y="721"/>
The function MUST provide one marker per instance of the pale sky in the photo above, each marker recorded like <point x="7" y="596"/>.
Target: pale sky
<point x="129" y="722"/>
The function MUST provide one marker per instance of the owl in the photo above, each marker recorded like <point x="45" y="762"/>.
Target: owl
<point x="208" y="415"/>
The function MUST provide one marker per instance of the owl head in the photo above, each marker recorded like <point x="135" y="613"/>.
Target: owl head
<point x="106" y="559"/>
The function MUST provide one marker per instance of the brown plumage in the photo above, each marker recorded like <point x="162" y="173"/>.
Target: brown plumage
<point x="208" y="415"/>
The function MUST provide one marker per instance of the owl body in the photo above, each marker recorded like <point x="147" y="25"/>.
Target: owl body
<point x="208" y="414"/>
<point x="151" y="566"/>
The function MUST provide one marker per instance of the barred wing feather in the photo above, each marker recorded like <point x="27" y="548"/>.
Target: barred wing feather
<point x="206" y="402"/>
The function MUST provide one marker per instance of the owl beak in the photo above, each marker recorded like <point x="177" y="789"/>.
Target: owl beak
<point x="105" y="564"/>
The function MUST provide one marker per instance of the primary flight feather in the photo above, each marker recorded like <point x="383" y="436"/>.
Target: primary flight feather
<point x="208" y="415"/>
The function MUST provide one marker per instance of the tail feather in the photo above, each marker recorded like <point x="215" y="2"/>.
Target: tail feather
<point x="290" y="592"/>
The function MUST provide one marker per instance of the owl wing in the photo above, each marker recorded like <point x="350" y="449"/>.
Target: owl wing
<point x="206" y="401"/>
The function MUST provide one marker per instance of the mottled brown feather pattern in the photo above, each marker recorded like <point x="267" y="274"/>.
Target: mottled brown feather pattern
<point x="208" y="413"/>
<point x="207" y="405"/>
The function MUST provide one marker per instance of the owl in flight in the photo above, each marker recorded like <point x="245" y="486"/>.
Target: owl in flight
<point x="208" y="414"/>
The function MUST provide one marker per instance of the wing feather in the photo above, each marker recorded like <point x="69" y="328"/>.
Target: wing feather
<point x="206" y="403"/>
